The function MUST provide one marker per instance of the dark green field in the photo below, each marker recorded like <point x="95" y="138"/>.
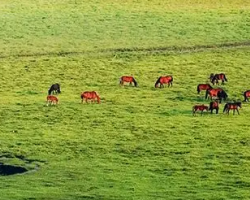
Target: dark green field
<point x="139" y="143"/>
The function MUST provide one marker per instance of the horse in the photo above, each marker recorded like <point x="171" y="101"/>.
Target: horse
<point x="246" y="94"/>
<point x="203" y="87"/>
<point x="214" y="78"/>
<point x="164" y="80"/>
<point x="214" y="105"/>
<point x="52" y="100"/>
<point x="92" y="95"/>
<point x="232" y="106"/>
<point x="199" y="107"/>
<point x="129" y="79"/>
<point x="55" y="88"/>
<point x="222" y="95"/>
<point x="212" y="92"/>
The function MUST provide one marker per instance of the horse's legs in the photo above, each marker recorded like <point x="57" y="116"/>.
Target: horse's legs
<point x="234" y="112"/>
<point x="217" y="110"/>
<point x="237" y="111"/>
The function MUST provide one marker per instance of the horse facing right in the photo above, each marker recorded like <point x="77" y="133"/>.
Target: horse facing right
<point x="129" y="79"/>
<point x="92" y="95"/>
<point x="232" y="106"/>
<point x="52" y="100"/>
<point x="55" y="88"/>
<point x="203" y="87"/>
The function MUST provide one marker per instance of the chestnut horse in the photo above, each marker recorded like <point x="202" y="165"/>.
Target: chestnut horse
<point x="214" y="105"/>
<point x="92" y="95"/>
<point x="128" y="79"/>
<point x="52" y="100"/>
<point x="212" y="92"/>
<point x="246" y="94"/>
<point x="199" y="107"/>
<point x="214" y="78"/>
<point x="203" y="87"/>
<point x="232" y="106"/>
<point x="164" y="80"/>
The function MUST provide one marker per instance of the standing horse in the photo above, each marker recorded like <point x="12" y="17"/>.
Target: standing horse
<point x="52" y="100"/>
<point x="246" y="94"/>
<point x="199" y="107"/>
<point x="232" y="106"/>
<point x="129" y="79"/>
<point x="164" y="80"/>
<point x="214" y="78"/>
<point x="203" y="87"/>
<point x="92" y="95"/>
<point x="212" y="92"/>
<point x="214" y="105"/>
<point x="55" y="88"/>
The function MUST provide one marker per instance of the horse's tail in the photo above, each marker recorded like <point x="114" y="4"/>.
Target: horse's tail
<point x="198" y="89"/>
<point x="135" y="83"/>
<point x="172" y="79"/>
<point x="157" y="82"/>
<point x="225" y="77"/>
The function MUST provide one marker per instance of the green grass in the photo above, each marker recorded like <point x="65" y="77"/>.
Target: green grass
<point x="139" y="143"/>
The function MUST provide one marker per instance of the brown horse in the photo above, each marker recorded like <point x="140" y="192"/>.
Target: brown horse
<point x="214" y="105"/>
<point x="214" y="78"/>
<point x="232" y="106"/>
<point x="164" y="80"/>
<point x="200" y="108"/>
<point x="212" y="92"/>
<point x="128" y="79"/>
<point x="52" y="100"/>
<point x="203" y="87"/>
<point x="246" y="95"/>
<point x="92" y="95"/>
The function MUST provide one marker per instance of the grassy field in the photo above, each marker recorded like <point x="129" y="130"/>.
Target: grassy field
<point x="139" y="143"/>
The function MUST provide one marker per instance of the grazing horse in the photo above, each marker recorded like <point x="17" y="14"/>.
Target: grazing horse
<point x="164" y="80"/>
<point x="199" y="107"/>
<point x="55" y="88"/>
<point x="52" y="100"/>
<point x="214" y="105"/>
<point x="214" y="78"/>
<point x="222" y="95"/>
<point x="212" y="92"/>
<point x="232" y="106"/>
<point x="129" y="79"/>
<point x="203" y="87"/>
<point x="246" y="94"/>
<point x="92" y="95"/>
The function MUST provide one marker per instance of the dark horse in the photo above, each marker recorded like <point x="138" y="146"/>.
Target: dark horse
<point x="199" y="107"/>
<point x="212" y="92"/>
<point x="129" y="79"/>
<point x="55" y="88"/>
<point x="246" y="94"/>
<point x="203" y="87"/>
<point x="214" y="105"/>
<point x="214" y="78"/>
<point x="222" y="95"/>
<point x="164" y="80"/>
<point x="232" y="106"/>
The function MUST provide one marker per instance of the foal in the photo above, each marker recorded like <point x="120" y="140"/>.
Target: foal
<point x="52" y="100"/>
<point x="200" y="108"/>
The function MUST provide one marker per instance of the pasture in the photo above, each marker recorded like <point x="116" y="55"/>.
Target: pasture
<point x="139" y="142"/>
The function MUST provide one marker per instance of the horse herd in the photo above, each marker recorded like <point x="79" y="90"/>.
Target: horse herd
<point x="216" y="94"/>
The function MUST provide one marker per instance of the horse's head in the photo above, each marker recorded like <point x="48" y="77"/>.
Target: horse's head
<point x="238" y="104"/>
<point x="211" y="76"/>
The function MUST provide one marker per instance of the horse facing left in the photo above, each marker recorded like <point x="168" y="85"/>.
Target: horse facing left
<point x="232" y="106"/>
<point x="199" y="108"/>
<point x="52" y="100"/>
<point x="90" y="95"/>
<point x="55" y="88"/>
<point x="164" y="80"/>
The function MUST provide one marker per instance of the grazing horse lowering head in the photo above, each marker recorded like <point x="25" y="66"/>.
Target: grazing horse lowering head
<point x="246" y="95"/>
<point x="55" y="88"/>
<point x="212" y="92"/>
<point x="92" y="95"/>
<point x="214" y="78"/>
<point x="164" y="80"/>
<point x="128" y="79"/>
<point x="222" y="95"/>
<point x="52" y="100"/>
<point x="203" y="87"/>
<point x="200" y="108"/>
<point x="214" y="105"/>
<point x="232" y="106"/>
